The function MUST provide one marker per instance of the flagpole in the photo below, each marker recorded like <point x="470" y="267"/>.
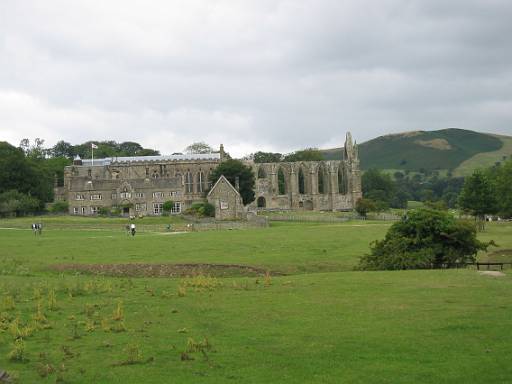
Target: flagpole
<point x="92" y="153"/>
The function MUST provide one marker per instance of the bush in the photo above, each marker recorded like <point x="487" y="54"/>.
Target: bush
<point x="363" y="206"/>
<point x="104" y="211"/>
<point x="424" y="238"/>
<point x="203" y="209"/>
<point x="167" y="206"/>
<point x="59" y="207"/>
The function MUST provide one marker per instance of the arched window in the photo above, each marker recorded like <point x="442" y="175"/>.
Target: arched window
<point x="281" y="182"/>
<point x="342" y="181"/>
<point x="322" y="184"/>
<point x="302" y="182"/>
<point x="261" y="202"/>
<point x="189" y="182"/>
<point x="201" y="182"/>
<point x="261" y="173"/>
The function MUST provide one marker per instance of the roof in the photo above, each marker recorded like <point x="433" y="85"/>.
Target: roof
<point x="223" y="178"/>
<point x="140" y="159"/>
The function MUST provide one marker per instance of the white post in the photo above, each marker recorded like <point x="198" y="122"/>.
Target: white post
<point x="92" y="154"/>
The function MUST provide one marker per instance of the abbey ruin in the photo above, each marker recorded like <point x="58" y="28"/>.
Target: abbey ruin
<point x="140" y="185"/>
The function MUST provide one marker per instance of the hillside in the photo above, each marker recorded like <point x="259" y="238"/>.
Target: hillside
<point x="443" y="149"/>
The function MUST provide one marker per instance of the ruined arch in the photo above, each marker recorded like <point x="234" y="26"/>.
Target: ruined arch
<point x="323" y="185"/>
<point x="302" y="181"/>
<point x="342" y="181"/>
<point x="261" y="173"/>
<point x="281" y="182"/>
<point x="261" y="202"/>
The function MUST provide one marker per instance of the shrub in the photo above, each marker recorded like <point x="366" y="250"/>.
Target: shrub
<point x="363" y="206"/>
<point x="424" y="238"/>
<point x="203" y="209"/>
<point x="59" y="207"/>
<point x="167" y="206"/>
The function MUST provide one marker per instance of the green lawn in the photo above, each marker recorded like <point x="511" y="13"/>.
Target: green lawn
<point x="336" y="326"/>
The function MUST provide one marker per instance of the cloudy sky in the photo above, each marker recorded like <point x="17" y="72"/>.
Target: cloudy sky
<point x="254" y="75"/>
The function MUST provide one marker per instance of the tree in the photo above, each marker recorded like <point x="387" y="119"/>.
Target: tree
<point x="167" y="206"/>
<point x="478" y="197"/>
<point x="425" y="238"/>
<point x="363" y="206"/>
<point x="503" y="183"/>
<point x="199" y="147"/>
<point x="231" y="169"/>
<point x="267" y="157"/>
<point x="378" y="186"/>
<point x="62" y="149"/>
<point x="308" y="154"/>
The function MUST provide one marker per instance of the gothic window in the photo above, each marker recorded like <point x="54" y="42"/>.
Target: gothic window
<point x="189" y="182"/>
<point x="342" y="182"/>
<point x="281" y="182"/>
<point x="261" y="173"/>
<point x="322" y="184"/>
<point x="302" y="182"/>
<point x="201" y="182"/>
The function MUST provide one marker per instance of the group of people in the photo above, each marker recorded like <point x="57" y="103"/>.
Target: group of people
<point x="37" y="228"/>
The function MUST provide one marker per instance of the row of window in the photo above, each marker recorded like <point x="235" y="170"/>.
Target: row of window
<point x="128" y="195"/>
<point x="139" y="207"/>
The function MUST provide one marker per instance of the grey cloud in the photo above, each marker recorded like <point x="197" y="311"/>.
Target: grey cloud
<point x="273" y="75"/>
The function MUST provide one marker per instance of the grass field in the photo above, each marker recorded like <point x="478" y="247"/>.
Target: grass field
<point x="321" y="322"/>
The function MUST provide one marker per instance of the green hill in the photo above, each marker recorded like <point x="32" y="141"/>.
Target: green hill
<point x="432" y="150"/>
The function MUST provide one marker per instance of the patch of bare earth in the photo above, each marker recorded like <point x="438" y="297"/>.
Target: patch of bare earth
<point x="163" y="270"/>
<point x="440" y="144"/>
<point x="492" y="273"/>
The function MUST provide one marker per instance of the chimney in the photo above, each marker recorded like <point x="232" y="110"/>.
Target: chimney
<point x="237" y="183"/>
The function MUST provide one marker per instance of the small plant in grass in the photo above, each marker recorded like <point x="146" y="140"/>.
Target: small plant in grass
<point x="90" y="325"/>
<point x="268" y="279"/>
<point x="118" y="314"/>
<point x="18" y="352"/>
<point x="38" y="294"/>
<point x="8" y="303"/>
<point x="198" y="346"/>
<point x="105" y="325"/>
<point x="45" y="369"/>
<point x="75" y="332"/>
<point x="182" y="291"/>
<point x="134" y="354"/>
<point x="52" y="300"/>
<point x="39" y="316"/>
<point x="118" y="327"/>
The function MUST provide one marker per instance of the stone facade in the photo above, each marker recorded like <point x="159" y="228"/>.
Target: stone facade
<point x="310" y="185"/>
<point x="139" y="186"/>
<point x="226" y="200"/>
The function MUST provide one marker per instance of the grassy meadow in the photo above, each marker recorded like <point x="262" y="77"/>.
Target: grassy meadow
<point x="310" y="319"/>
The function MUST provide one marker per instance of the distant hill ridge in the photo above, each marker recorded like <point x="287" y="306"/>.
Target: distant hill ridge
<point x="455" y="149"/>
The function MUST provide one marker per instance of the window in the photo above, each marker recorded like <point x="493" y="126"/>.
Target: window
<point x="113" y="196"/>
<point x="302" y="182"/>
<point x="261" y="173"/>
<point x="281" y="182"/>
<point x="139" y="194"/>
<point x="79" y="196"/>
<point x="94" y="210"/>
<point x="174" y="193"/>
<point x="96" y="196"/>
<point x="342" y="182"/>
<point x="158" y="195"/>
<point x="157" y="208"/>
<point x="201" y="182"/>
<point x="189" y="182"/>
<point x="139" y="207"/>
<point x="322" y="187"/>
<point x="176" y="208"/>
<point x="83" y="210"/>
<point x="75" y="210"/>
<point x="126" y="195"/>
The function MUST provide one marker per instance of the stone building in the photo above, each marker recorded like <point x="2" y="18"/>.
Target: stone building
<point x="310" y="185"/>
<point x="227" y="201"/>
<point x="139" y="186"/>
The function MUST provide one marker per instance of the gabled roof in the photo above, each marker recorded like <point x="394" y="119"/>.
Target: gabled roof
<point x="223" y="178"/>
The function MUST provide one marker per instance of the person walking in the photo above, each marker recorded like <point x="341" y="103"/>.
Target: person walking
<point x="132" y="229"/>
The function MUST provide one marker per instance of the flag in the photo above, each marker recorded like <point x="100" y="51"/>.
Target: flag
<point x="94" y="146"/>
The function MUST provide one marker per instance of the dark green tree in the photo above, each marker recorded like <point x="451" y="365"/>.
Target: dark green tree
<point x="231" y="169"/>
<point x="308" y="154"/>
<point x="363" y="206"/>
<point x="425" y="238"/>
<point x="478" y="197"/>
<point x="378" y="186"/>
<point x="267" y="157"/>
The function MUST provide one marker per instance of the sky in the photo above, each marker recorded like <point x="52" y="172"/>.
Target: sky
<point x="265" y="75"/>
